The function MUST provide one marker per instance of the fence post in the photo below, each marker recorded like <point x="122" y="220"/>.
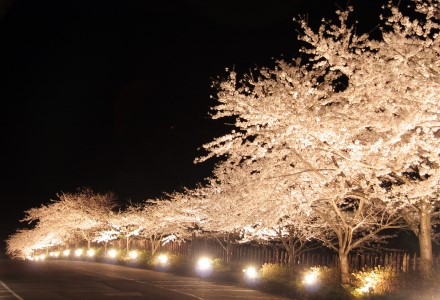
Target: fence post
<point x="414" y="262"/>
<point x="405" y="263"/>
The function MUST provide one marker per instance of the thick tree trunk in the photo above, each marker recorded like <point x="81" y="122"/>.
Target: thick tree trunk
<point x="291" y="252"/>
<point x="425" y="241"/>
<point x="344" y="267"/>
<point x="89" y="243"/>
<point x="128" y="244"/>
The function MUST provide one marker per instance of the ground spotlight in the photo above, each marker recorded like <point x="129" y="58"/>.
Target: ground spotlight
<point x="112" y="253"/>
<point x="66" y="252"/>
<point x="204" y="267"/>
<point x="250" y="275"/>
<point x="162" y="262"/>
<point x="90" y="253"/>
<point x="78" y="252"/>
<point x="311" y="279"/>
<point x="133" y="254"/>
<point x="162" y="259"/>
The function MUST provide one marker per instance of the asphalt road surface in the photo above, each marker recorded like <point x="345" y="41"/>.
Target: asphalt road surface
<point x="88" y="280"/>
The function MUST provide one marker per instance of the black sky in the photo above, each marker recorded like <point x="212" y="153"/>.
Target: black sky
<point x="114" y="95"/>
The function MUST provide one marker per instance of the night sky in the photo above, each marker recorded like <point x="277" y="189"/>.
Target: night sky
<point x="114" y="95"/>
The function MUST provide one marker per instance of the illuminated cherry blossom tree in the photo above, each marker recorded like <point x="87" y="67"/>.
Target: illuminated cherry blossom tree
<point x="18" y="245"/>
<point x="23" y="243"/>
<point x="82" y="213"/>
<point x="415" y="44"/>
<point x="167" y="220"/>
<point x="391" y="104"/>
<point x="361" y="114"/>
<point x="128" y="223"/>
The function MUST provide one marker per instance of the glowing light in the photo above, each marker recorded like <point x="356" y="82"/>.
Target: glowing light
<point x="162" y="262"/>
<point x="56" y="254"/>
<point x="37" y="258"/>
<point x="78" y="252"/>
<point x="112" y="253"/>
<point x="66" y="252"/>
<point x="51" y="254"/>
<point x="251" y="273"/>
<point x="42" y="257"/>
<point x="90" y="252"/>
<point x="204" y="267"/>
<point x="370" y="284"/>
<point x="133" y="254"/>
<point x="311" y="278"/>
<point x="204" y="264"/>
<point x="162" y="259"/>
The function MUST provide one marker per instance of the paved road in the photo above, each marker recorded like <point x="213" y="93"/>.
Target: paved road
<point x="88" y="280"/>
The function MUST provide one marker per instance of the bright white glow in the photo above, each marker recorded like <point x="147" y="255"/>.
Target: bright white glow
<point x="163" y="259"/>
<point x="90" y="252"/>
<point x="133" y="254"/>
<point x="112" y="253"/>
<point x="204" y="264"/>
<point x="370" y="284"/>
<point x="251" y="272"/>
<point x="37" y="258"/>
<point x="66" y="252"/>
<point x="204" y="267"/>
<point x="29" y="257"/>
<point x="78" y="252"/>
<point x="56" y="254"/>
<point x="51" y="254"/>
<point x="42" y="257"/>
<point x="311" y="278"/>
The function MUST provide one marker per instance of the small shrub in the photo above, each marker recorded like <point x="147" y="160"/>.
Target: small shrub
<point x="274" y="272"/>
<point x="99" y="252"/>
<point x="142" y="255"/>
<point x="219" y="266"/>
<point x="376" y="281"/>
<point x="176" y="259"/>
<point x="275" y="278"/>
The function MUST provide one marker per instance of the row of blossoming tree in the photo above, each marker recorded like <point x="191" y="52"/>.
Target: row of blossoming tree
<point x="339" y="148"/>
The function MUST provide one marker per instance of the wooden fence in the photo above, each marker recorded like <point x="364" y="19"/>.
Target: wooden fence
<point x="261" y="254"/>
